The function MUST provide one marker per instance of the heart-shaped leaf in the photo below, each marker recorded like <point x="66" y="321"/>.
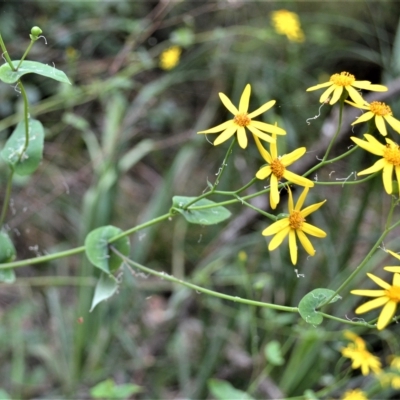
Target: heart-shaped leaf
<point x="106" y="286"/>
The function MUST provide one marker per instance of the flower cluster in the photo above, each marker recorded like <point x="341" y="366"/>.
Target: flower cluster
<point x="170" y="57"/>
<point x="287" y="23"/>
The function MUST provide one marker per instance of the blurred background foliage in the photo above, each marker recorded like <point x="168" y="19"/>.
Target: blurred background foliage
<point x="121" y="141"/>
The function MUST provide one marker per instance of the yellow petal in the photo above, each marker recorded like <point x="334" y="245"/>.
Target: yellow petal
<point x="242" y="137"/>
<point x="228" y="104"/>
<point x="327" y="93"/>
<point x="386" y="314"/>
<point x="225" y="135"/>
<point x="274" y="194"/>
<point x="244" y="100"/>
<point x="308" y="247"/>
<point x="364" y="106"/>
<point x="387" y="178"/>
<point x="363" y="118"/>
<point x="262" y="126"/>
<point x="336" y="94"/>
<point x="355" y="96"/>
<point x="377" y="88"/>
<point x="263" y="151"/>
<point x="393" y="122"/>
<point x="380" y="282"/>
<point x="278" y="239"/>
<point x="265" y="107"/>
<point x="362" y="85"/>
<point x="380" y="164"/>
<point x="368" y="293"/>
<point x="371" y="145"/>
<point x="297" y="179"/>
<point x="380" y="124"/>
<point x="292" y="247"/>
<point x="310" y="209"/>
<point x="276" y="227"/>
<point x="301" y="199"/>
<point x="396" y="280"/>
<point x="320" y="86"/>
<point x="370" y="305"/>
<point x="219" y="128"/>
<point x="392" y="269"/>
<point x="394" y="254"/>
<point x="397" y="170"/>
<point x="313" y="230"/>
<point x="260" y="134"/>
<point x="264" y="172"/>
<point x="290" y="158"/>
<point x="290" y="200"/>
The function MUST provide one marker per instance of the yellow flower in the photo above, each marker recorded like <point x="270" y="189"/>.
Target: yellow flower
<point x="244" y="120"/>
<point x="277" y="168"/>
<point x="287" y="23"/>
<point x="361" y="357"/>
<point x="294" y="225"/>
<point x="390" y="160"/>
<point x="388" y="297"/>
<point x="381" y="112"/>
<point x="355" y="394"/>
<point x="347" y="81"/>
<point x="169" y="58"/>
<point x="393" y="269"/>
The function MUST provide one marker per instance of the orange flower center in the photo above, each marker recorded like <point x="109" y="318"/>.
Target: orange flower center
<point x="241" y="120"/>
<point x="296" y="220"/>
<point x="393" y="293"/>
<point x="392" y="154"/>
<point x="379" y="108"/>
<point x="278" y="169"/>
<point x="343" y="79"/>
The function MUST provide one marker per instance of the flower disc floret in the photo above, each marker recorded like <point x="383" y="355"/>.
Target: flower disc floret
<point x="345" y="81"/>
<point x="243" y="120"/>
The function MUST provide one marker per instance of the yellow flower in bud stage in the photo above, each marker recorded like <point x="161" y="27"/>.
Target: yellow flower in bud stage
<point x="360" y="356"/>
<point x="355" y="394"/>
<point x="381" y="112"/>
<point x="338" y="82"/>
<point x="244" y="120"/>
<point x="388" y="297"/>
<point x="287" y="23"/>
<point x="169" y="58"/>
<point x="295" y="225"/>
<point x="389" y="162"/>
<point x="276" y="168"/>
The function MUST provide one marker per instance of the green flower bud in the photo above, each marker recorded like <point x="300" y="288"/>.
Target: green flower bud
<point x="35" y="32"/>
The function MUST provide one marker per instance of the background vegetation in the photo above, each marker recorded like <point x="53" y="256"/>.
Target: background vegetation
<point x="121" y="141"/>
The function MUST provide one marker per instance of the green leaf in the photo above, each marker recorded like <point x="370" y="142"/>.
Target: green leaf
<point x="109" y="390"/>
<point x="98" y="251"/>
<point x="7" y="75"/>
<point x="223" y="390"/>
<point x="273" y="353"/>
<point x="7" y="249"/>
<point x="207" y="216"/>
<point x="106" y="286"/>
<point x="4" y="395"/>
<point x="7" y="276"/>
<point x="26" y="163"/>
<point x="311" y="301"/>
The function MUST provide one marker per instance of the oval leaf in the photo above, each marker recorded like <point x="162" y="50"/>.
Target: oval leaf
<point x="98" y="251"/>
<point x="207" y="216"/>
<point x="223" y="390"/>
<point x="7" y="249"/>
<point x="106" y="286"/>
<point x="273" y="353"/>
<point x="7" y="75"/>
<point x="27" y="163"/>
<point x="311" y="301"/>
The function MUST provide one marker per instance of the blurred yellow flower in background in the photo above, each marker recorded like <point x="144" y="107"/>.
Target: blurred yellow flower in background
<point x="276" y="168"/>
<point x="381" y="112"/>
<point x="355" y="394"/>
<point x="360" y="356"/>
<point x="170" y="57"/>
<point x="388" y="297"/>
<point x="287" y="23"/>
<point x="345" y="80"/>
<point x="390" y="160"/>
<point x="295" y="225"/>
<point x="244" y="120"/>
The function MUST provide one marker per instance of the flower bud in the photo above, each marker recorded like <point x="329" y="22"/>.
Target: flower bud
<point x="35" y="32"/>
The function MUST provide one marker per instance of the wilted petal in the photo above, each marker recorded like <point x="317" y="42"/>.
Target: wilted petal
<point x="370" y="305"/>
<point x="386" y="314"/>
<point x="265" y="107"/>
<point x="228" y="104"/>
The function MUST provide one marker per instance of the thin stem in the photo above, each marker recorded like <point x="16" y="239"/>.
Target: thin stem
<point x="224" y="163"/>
<point x="346" y="321"/>
<point x="6" y="198"/>
<point x="270" y="216"/>
<point x="26" y="53"/>
<point x="5" y="54"/>
<point x="337" y="132"/>
<point x="26" y="117"/>
<point x="164" y="276"/>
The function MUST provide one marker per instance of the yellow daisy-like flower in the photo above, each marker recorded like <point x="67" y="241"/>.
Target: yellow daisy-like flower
<point x="393" y="269"/>
<point x="347" y="81"/>
<point x="295" y="225"/>
<point x="355" y="394"/>
<point x="170" y="57"/>
<point x="244" y="120"/>
<point x="390" y="160"/>
<point x="381" y="112"/>
<point x="389" y="297"/>
<point x="276" y="168"/>
<point x="287" y="23"/>
<point x="361" y="357"/>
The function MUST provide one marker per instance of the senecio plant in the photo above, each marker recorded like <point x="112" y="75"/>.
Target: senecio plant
<point x="108" y="247"/>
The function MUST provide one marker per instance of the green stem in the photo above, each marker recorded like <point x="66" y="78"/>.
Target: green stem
<point x="164" y="276"/>
<point x="337" y="132"/>
<point x="346" y="321"/>
<point x="26" y="117"/>
<point x="6" y="198"/>
<point x="224" y="164"/>
<point x="270" y="216"/>
<point x="26" y="53"/>
<point x="5" y="54"/>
